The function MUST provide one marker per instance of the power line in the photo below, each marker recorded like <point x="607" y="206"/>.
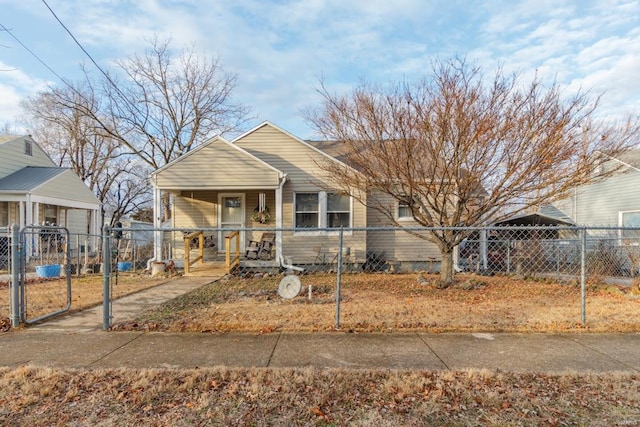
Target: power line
<point x="111" y="82"/>
<point x="80" y="46"/>
<point x="33" y="53"/>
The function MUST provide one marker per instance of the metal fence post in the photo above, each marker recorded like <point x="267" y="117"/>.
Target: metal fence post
<point x="583" y="275"/>
<point x="15" y="275"/>
<point x="339" y="277"/>
<point x="106" y="270"/>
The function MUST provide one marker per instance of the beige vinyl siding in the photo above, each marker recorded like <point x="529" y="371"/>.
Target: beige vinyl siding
<point x="217" y="165"/>
<point x="300" y="163"/>
<point x="199" y="209"/>
<point x="397" y="245"/>
<point x="67" y="186"/>
<point x="13" y="157"/>
<point x="288" y="155"/>
<point x="193" y="209"/>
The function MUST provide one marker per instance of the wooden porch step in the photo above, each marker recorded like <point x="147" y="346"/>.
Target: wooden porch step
<point x="208" y="269"/>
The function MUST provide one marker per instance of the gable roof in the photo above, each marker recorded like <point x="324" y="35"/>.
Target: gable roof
<point x="311" y="145"/>
<point x="225" y="166"/>
<point x="7" y="138"/>
<point x="29" y="178"/>
<point x="629" y="158"/>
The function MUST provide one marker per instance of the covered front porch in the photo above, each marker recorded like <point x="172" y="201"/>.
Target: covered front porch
<point x="202" y="222"/>
<point x="217" y="188"/>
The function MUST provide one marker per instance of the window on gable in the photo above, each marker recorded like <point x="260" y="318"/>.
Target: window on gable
<point x="404" y="210"/>
<point x="28" y="148"/>
<point x="322" y="210"/>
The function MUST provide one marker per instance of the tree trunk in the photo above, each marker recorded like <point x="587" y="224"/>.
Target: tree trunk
<point x="446" y="268"/>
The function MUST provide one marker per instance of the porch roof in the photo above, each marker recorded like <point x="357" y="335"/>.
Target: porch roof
<point x="29" y="178"/>
<point x="52" y="185"/>
<point x="217" y="165"/>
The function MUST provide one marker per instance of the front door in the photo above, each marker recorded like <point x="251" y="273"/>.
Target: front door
<point x="231" y="215"/>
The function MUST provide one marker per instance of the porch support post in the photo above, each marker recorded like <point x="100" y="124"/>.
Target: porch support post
<point x="29" y="250"/>
<point x="283" y="179"/>
<point x="157" y="224"/>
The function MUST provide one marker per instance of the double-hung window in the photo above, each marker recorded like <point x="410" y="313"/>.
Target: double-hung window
<point x="322" y="210"/>
<point x="338" y="211"/>
<point x="307" y="210"/>
<point x="630" y="219"/>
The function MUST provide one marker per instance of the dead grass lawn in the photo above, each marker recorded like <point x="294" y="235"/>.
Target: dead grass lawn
<point x="262" y="397"/>
<point x="384" y="302"/>
<point x="48" y="295"/>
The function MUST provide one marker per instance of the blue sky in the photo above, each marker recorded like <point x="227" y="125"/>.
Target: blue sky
<point x="279" y="49"/>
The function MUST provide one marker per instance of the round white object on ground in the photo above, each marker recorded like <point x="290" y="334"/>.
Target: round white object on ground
<point x="290" y="287"/>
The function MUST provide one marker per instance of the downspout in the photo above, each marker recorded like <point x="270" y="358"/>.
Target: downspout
<point x="279" y="222"/>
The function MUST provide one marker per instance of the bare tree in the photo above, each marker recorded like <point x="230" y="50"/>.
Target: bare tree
<point x="129" y="192"/>
<point x="72" y="140"/>
<point x="163" y="106"/>
<point x="158" y="107"/>
<point x="460" y="150"/>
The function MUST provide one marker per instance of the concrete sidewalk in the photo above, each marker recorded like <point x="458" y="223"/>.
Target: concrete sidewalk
<point x="412" y="351"/>
<point x="77" y="341"/>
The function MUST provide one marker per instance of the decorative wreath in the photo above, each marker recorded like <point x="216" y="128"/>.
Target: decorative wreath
<point x="261" y="216"/>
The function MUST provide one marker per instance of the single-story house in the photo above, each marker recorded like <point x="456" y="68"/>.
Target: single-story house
<point x="35" y="191"/>
<point x="270" y="178"/>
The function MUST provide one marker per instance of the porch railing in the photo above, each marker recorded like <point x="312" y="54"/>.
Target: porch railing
<point x="232" y="264"/>
<point x="187" y="249"/>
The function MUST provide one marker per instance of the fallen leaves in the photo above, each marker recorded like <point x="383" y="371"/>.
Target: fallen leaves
<point x="226" y="396"/>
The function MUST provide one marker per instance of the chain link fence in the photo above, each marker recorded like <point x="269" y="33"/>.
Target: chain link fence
<point x="60" y="271"/>
<point x="367" y="261"/>
<point x="610" y="254"/>
<point x="326" y="261"/>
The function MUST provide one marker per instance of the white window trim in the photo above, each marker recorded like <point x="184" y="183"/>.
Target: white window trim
<point x="402" y="218"/>
<point x="621" y="224"/>
<point x="322" y="216"/>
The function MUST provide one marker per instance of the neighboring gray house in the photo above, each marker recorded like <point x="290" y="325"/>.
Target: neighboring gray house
<point x="35" y="191"/>
<point x="612" y="202"/>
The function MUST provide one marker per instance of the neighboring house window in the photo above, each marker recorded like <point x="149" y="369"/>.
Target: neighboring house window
<point x="50" y="214"/>
<point x="4" y="214"/>
<point x="404" y="209"/>
<point x="28" y="148"/>
<point x="630" y="219"/>
<point x="322" y="210"/>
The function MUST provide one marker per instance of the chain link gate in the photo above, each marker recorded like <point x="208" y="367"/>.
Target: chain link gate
<point x="44" y="272"/>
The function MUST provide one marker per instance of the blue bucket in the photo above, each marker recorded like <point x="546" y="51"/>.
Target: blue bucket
<point x="46" y="271"/>
<point x="124" y="266"/>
